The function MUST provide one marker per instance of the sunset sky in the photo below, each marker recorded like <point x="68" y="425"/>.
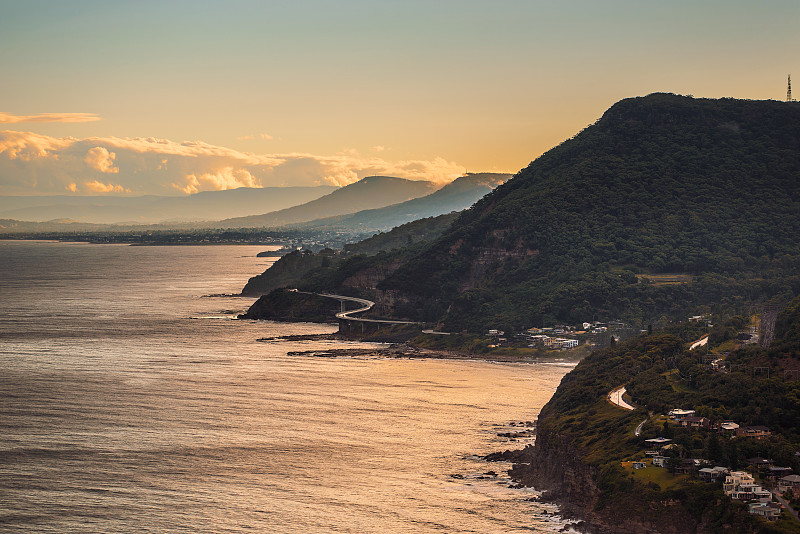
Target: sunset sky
<point x="173" y="97"/>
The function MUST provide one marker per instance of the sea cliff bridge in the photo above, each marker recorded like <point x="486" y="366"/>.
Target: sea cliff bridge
<point x="348" y="323"/>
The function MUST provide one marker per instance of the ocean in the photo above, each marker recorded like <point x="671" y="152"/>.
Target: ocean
<point x="133" y="400"/>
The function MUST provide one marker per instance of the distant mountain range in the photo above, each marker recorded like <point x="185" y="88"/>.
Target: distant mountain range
<point x="150" y="209"/>
<point x="458" y="195"/>
<point x="368" y="193"/>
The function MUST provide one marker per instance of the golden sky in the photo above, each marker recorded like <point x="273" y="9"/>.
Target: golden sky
<point x="173" y="97"/>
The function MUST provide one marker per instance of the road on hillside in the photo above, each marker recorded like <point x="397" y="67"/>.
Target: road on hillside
<point x="786" y="505"/>
<point x="615" y="397"/>
<point x="365" y="306"/>
<point x="699" y="343"/>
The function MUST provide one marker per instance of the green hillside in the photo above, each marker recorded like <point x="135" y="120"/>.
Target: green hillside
<point x="706" y="189"/>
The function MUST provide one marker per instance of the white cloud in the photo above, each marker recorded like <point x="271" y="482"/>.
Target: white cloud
<point x="96" y="186"/>
<point x="249" y="137"/>
<point x="101" y="159"/>
<point x="34" y="163"/>
<point x="50" y="117"/>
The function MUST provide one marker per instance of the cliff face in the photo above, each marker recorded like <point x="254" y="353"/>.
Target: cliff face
<point x="554" y="465"/>
<point x="557" y="467"/>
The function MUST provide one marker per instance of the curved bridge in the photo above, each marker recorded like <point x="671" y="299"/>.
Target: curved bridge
<point x="346" y="319"/>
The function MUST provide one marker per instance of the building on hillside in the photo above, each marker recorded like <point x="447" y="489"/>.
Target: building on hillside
<point x="695" y="422"/>
<point x="756" y="432"/>
<point x="660" y="461"/>
<point x="713" y="473"/>
<point x="759" y="464"/>
<point x="741" y="486"/>
<point x="658" y="441"/>
<point x="774" y="473"/>
<point x="727" y="426"/>
<point x="538" y="340"/>
<point x="639" y="465"/>
<point x="771" y="511"/>
<point x="789" y="482"/>
<point x="678" y="413"/>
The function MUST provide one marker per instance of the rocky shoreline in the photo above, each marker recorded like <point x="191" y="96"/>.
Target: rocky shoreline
<point x="393" y="350"/>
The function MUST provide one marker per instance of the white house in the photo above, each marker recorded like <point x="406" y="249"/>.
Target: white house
<point x="660" y="461"/>
<point x="741" y="486"/>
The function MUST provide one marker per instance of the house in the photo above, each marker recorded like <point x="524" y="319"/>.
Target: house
<point x="741" y="486"/>
<point x="734" y="478"/>
<point x="695" y="422"/>
<point x="639" y="465"/>
<point x="496" y="333"/>
<point x="713" y="473"/>
<point x="538" y="339"/>
<point x="771" y="511"/>
<point x="756" y="432"/>
<point x="658" y="441"/>
<point x="727" y="426"/>
<point x="535" y="331"/>
<point x="677" y="413"/>
<point x="774" y="473"/>
<point x="660" y="461"/>
<point x="689" y="466"/>
<point x="789" y="482"/>
<point x="569" y="343"/>
<point x="759" y="463"/>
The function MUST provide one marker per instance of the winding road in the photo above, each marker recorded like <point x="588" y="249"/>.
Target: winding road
<point x="365" y="306"/>
<point x="615" y="397"/>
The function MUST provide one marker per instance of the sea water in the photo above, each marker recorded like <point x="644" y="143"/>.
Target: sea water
<point x="133" y="400"/>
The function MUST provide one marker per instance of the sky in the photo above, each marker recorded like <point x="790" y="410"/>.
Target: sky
<point x="174" y="97"/>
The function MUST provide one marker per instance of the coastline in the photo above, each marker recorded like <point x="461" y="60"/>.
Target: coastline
<point x="407" y="350"/>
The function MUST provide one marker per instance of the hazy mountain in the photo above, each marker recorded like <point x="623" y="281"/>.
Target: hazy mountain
<point x="458" y="195"/>
<point x="367" y="193"/>
<point x="206" y="205"/>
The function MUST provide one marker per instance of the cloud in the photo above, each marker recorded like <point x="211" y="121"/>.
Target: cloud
<point x="379" y="148"/>
<point x="101" y="159"/>
<point x="96" y="186"/>
<point x="32" y="163"/>
<point x="50" y="117"/>
<point x="263" y="136"/>
<point x="227" y="178"/>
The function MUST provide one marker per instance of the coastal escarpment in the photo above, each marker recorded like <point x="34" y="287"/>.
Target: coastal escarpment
<point x="559" y="468"/>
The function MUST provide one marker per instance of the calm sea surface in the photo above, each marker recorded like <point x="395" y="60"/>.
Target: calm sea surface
<point x="132" y="401"/>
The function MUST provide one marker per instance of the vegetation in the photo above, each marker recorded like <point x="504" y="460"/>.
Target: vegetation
<point x="666" y="206"/>
<point x="327" y="269"/>
<point x="660" y="184"/>
<point x="660" y="374"/>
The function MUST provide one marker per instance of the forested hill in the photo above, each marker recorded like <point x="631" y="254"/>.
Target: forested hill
<point x="706" y="189"/>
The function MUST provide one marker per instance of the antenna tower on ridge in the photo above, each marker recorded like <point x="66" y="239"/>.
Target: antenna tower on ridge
<point x="789" y="90"/>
